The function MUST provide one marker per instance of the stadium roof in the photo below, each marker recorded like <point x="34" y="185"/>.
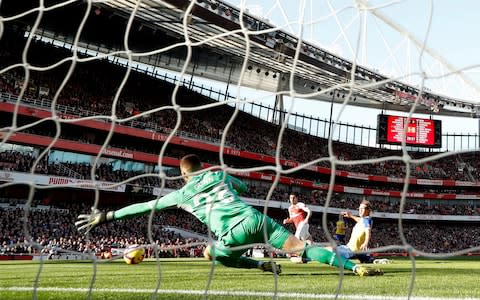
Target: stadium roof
<point x="221" y="44"/>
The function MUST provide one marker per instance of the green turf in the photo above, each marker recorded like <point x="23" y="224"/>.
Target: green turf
<point x="455" y="278"/>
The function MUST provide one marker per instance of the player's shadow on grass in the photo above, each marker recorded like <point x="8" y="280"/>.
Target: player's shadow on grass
<point x="314" y="274"/>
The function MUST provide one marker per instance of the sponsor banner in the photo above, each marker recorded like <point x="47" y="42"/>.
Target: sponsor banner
<point x="429" y="182"/>
<point x="230" y="151"/>
<point x="84" y="184"/>
<point x="459" y="196"/>
<point x="266" y="177"/>
<point x="449" y="182"/>
<point x="271" y="203"/>
<point x="466" y="183"/>
<point x="415" y="195"/>
<point x="240" y="173"/>
<point x="118" y="153"/>
<point x="380" y="193"/>
<point x="290" y="163"/>
<point x="353" y="190"/>
<point x="358" y="176"/>
<point x="395" y="179"/>
<point x="406" y="216"/>
<point x="445" y="196"/>
<point x="60" y="181"/>
<point x="301" y="182"/>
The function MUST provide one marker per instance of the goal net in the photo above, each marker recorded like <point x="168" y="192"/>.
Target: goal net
<point x="334" y="100"/>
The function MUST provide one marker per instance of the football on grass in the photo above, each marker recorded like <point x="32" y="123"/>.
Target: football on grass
<point x="134" y="254"/>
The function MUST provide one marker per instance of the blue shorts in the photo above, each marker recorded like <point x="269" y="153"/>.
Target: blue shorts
<point x="344" y="251"/>
<point x="340" y="238"/>
<point x="347" y="253"/>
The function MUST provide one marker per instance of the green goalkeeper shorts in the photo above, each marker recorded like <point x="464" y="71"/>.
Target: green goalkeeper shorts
<point x="251" y="231"/>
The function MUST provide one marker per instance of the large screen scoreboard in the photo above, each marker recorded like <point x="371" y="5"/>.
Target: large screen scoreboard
<point x="419" y="132"/>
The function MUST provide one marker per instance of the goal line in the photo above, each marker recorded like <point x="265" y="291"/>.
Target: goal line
<point x="225" y="293"/>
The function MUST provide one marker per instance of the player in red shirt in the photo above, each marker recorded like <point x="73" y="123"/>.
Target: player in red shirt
<point x="299" y="214"/>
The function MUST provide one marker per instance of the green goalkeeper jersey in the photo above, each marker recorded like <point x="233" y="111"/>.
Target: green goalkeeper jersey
<point x="211" y="197"/>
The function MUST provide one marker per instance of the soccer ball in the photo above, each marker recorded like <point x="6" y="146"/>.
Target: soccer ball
<point x="106" y="255"/>
<point x="134" y="254"/>
<point x="298" y="260"/>
<point x="382" y="261"/>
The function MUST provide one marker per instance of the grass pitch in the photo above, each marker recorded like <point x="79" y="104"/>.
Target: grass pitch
<point x="195" y="279"/>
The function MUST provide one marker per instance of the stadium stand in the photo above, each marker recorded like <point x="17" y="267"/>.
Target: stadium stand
<point x="89" y="93"/>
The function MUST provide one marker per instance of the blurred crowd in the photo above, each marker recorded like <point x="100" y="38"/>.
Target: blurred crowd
<point x="44" y="229"/>
<point x="51" y="229"/>
<point x="23" y="162"/>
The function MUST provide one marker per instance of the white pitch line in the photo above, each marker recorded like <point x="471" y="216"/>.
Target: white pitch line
<point x="226" y="293"/>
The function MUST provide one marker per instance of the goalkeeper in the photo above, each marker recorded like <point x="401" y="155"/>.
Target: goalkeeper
<point x="212" y="198"/>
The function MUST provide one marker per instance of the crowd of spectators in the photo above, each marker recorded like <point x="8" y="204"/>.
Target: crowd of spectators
<point x="23" y="162"/>
<point x="89" y="92"/>
<point x="429" y="237"/>
<point x="53" y="227"/>
<point x="392" y="205"/>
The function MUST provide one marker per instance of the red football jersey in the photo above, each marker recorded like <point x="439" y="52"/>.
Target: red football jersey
<point x="297" y="213"/>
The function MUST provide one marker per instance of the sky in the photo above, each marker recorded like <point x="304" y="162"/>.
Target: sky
<point x="384" y="38"/>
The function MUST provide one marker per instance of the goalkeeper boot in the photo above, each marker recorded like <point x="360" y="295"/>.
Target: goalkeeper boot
<point x="271" y="266"/>
<point x="364" y="271"/>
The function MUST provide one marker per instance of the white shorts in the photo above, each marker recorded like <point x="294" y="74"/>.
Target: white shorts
<point x="302" y="232"/>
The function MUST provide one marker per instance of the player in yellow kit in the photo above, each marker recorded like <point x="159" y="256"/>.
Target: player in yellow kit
<point x="361" y="235"/>
<point x="340" y="229"/>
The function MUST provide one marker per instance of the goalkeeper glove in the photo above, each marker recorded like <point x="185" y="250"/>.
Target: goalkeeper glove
<point x="88" y="222"/>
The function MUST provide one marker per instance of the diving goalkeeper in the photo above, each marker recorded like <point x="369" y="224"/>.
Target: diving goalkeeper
<point x="211" y="196"/>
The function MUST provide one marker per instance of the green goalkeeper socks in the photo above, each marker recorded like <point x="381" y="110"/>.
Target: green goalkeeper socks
<point x="242" y="262"/>
<point x="327" y="257"/>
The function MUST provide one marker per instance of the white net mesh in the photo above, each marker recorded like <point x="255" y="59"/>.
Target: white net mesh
<point x="117" y="84"/>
